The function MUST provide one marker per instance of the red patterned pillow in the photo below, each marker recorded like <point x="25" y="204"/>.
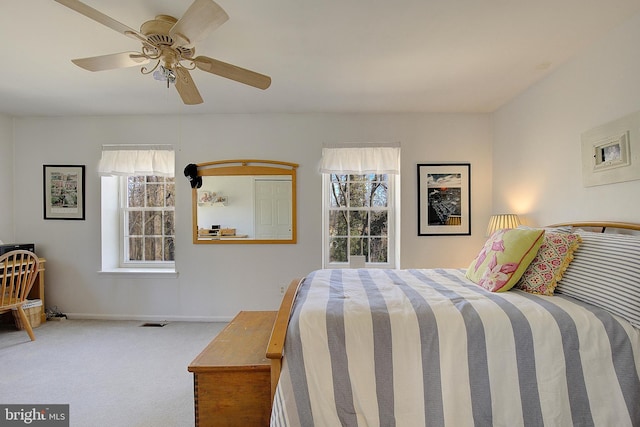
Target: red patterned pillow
<point x="552" y="259"/>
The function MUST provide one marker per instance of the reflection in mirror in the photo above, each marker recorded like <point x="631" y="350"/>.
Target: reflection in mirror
<point x="245" y="207"/>
<point x="245" y="201"/>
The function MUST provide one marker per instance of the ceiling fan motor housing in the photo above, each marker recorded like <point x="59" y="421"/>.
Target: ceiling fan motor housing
<point x="157" y="33"/>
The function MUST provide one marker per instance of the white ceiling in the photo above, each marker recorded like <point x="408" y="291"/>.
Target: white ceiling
<point x="322" y="55"/>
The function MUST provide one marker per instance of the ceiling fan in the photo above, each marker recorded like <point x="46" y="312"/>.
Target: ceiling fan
<point x="170" y="42"/>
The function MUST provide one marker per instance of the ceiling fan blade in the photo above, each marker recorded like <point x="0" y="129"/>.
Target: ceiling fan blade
<point x="186" y="87"/>
<point x="110" y="62"/>
<point x="100" y="17"/>
<point x="202" y="17"/>
<point x="232" y="72"/>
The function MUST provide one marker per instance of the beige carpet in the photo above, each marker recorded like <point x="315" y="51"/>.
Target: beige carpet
<point x="111" y="373"/>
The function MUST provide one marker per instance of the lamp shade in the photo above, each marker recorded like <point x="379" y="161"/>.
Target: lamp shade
<point x="501" y="221"/>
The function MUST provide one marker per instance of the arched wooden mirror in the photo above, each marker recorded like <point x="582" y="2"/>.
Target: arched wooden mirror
<point x="245" y="201"/>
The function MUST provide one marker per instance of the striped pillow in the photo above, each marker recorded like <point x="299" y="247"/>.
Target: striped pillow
<point x="560" y="229"/>
<point x="605" y="272"/>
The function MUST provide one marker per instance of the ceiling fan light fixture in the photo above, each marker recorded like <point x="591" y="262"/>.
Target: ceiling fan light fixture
<point x="164" y="74"/>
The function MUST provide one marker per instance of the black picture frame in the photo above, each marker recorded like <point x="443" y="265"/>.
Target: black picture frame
<point x="444" y="199"/>
<point x="63" y="192"/>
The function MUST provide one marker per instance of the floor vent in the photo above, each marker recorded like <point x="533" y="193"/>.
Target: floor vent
<point x="153" y="324"/>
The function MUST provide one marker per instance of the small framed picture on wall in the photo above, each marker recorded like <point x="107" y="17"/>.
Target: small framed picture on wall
<point x="63" y="191"/>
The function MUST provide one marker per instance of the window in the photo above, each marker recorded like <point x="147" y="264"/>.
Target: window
<point x="137" y="210"/>
<point x="147" y="225"/>
<point x="360" y="206"/>
<point x="360" y="217"/>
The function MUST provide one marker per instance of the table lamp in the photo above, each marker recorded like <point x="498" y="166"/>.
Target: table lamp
<point x="501" y="221"/>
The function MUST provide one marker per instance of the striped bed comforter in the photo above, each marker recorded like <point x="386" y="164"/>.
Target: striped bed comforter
<point x="374" y="347"/>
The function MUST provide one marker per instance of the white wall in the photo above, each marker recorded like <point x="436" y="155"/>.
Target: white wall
<point x="238" y="213"/>
<point x="6" y="179"/>
<point x="216" y="281"/>
<point x="537" y="165"/>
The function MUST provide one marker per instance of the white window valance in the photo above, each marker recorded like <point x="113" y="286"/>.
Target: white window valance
<point x="137" y="160"/>
<point x="361" y="158"/>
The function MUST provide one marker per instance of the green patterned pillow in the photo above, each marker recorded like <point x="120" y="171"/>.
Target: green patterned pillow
<point x="504" y="258"/>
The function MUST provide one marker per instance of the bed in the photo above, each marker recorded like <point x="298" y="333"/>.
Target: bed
<point x="432" y="347"/>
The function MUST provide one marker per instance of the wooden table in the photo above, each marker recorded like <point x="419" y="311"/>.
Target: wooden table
<point x="37" y="291"/>
<point x="232" y="375"/>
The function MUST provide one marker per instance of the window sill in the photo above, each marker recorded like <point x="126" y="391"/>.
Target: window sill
<point x="141" y="273"/>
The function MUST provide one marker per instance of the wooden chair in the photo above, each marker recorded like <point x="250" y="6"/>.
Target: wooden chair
<point x="18" y="271"/>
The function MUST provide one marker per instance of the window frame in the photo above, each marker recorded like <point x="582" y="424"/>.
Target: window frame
<point x="393" y="224"/>
<point x="123" y="236"/>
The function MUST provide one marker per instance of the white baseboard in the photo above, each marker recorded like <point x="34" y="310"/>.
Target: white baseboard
<point x="148" y="318"/>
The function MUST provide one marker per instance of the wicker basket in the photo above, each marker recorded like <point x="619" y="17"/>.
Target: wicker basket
<point x="33" y="310"/>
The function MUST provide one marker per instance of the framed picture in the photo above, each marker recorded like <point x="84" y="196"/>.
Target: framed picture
<point x="63" y="191"/>
<point x="607" y="151"/>
<point x="444" y="199"/>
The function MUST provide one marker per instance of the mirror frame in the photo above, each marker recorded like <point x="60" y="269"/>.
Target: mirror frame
<point x="245" y="167"/>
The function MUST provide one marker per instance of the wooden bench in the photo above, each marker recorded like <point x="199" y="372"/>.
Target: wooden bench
<point x="232" y="375"/>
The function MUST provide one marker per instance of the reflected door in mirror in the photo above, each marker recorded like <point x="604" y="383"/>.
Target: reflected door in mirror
<point x="273" y="209"/>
